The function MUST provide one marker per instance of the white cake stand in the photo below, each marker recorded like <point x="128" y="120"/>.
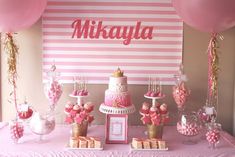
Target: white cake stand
<point x="154" y="100"/>
<point x="80" y="99"/>
<point x="115" y="110"/>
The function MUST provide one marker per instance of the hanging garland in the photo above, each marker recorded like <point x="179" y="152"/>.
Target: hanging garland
<point x="213" y="70"/>
<point x="12" y="55"/>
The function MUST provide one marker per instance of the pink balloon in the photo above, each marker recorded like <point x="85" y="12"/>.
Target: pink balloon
<point x="19" y="14"/>
<point x="207" y="15"/>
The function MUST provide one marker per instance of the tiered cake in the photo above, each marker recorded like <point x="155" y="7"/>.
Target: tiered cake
<point x="117" y="94"/>
<point x="117" y="97"/>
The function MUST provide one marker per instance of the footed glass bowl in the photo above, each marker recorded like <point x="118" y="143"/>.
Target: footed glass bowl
<point x="42" y="124"/>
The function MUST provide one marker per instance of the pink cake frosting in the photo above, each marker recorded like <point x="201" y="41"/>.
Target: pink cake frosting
<point x="115" y="99"/>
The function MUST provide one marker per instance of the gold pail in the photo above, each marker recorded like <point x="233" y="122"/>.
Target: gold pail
<point x="79" y="129"/>
<point x="155" y="131"/>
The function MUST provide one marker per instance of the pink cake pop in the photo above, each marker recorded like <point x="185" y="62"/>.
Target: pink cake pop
<point x="154" y="94"/>
<point x="75" y="92"/>
<point x="163" y="108"/>
<point x="153" y="110"/>
<point x="145" y="108"/>
<point x="68" y="107"/>
<point x="89" y="106"/>
<point x="17" y="131"/>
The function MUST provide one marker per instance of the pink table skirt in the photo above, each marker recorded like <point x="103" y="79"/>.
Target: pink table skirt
<point x="54" y="144"/>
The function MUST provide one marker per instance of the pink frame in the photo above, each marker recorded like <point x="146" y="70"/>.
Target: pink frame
<point x="110" y="124"/>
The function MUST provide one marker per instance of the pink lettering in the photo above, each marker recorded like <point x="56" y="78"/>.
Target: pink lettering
<point x="79" y="30"/>
<point x="114" y="32"/>
<point x="147" y="33"/>
<point x="96" y="30"/>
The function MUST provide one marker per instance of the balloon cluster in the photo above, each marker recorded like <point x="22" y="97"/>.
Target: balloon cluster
<point x="18" y="15"/>
<point x="211" y="16"/>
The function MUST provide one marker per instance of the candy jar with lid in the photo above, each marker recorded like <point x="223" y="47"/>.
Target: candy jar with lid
<point x="213" y="134"/>
<point x="53" y="89"/>
<point x="207" y="114"/>
<point x="189" y="126"/>
<point x="179" y="91"/>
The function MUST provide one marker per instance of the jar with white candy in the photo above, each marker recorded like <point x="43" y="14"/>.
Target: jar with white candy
<point x="189" y="126"/>
<point x="42" y="124"/>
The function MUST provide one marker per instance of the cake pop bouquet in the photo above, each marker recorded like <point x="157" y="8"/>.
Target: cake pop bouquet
<point x="78" y="113"/>
<point x="154" y="115"/>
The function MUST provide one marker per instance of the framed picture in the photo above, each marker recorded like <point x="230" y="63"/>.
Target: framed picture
<point x="116" y="128"/>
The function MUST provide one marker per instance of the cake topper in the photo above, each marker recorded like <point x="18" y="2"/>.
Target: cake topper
<point x="118" y="73"/>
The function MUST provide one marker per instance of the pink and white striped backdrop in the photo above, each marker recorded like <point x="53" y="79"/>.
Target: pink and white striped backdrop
<point x="97" y="58"/>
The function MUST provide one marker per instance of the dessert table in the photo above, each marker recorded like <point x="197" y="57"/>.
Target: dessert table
<point x="54" y="144"/>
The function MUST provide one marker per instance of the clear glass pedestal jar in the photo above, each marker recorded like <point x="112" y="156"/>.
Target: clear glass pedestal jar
<point x="189" y="126"/>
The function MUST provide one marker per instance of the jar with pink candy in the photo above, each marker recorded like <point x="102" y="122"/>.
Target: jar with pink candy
<point x="189" y="126"/>
<point x="179" y="91"/>
<point x="213" y="134"/>
<point x="53" y="89"/>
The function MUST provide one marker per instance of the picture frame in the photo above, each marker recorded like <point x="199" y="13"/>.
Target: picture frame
<point x="116" y="128"/>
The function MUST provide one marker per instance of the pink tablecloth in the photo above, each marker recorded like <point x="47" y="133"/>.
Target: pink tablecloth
<point x="54" y="144"/>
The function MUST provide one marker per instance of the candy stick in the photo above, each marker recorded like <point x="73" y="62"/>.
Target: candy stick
<point x="160" y="90"/>
<point x="74" y="84"/>
<point x="155" y="84"/>
<point x="149" y="84"/>
<point x="85" y="84"/>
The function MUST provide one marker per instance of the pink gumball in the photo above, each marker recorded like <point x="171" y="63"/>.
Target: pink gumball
<point x="20" y="14"/>
<point x="206" y="15"/>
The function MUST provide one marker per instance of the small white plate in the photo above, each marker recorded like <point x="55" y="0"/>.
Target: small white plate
<point x="134" y="149"/>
